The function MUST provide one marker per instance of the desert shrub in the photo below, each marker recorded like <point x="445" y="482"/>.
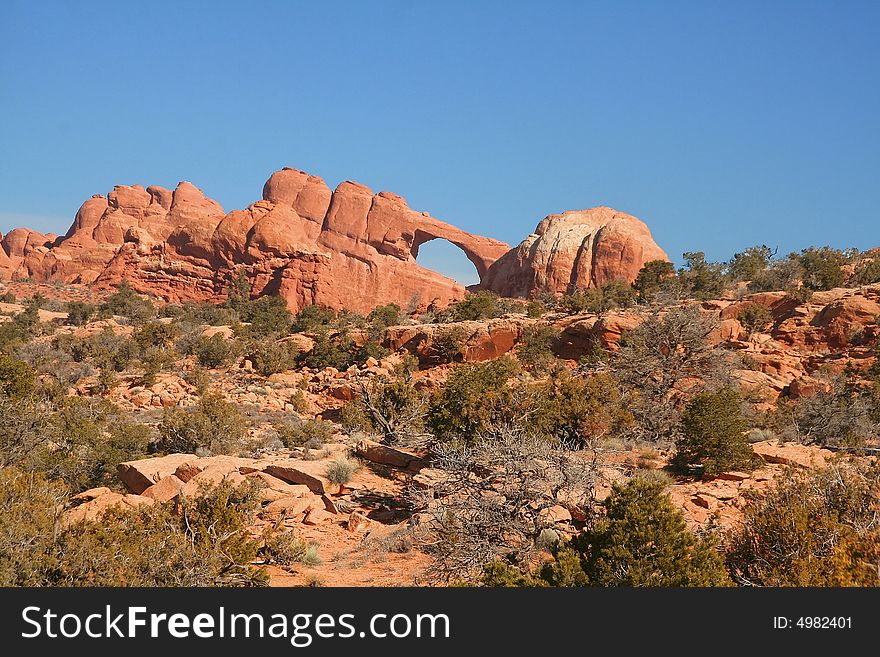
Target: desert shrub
<point x="214" y="425"/>
<point x="299" y="402"/>
<point x="447" y="345"/>
<point x="661" y="361"/>
<point x="149" y="546"/>
<point x="87" y="440"/>
<point x="702" y="279"/>
<point x="24" y="430"/>
<point x="46" y="360"/>
<point x="341" y="470"/>
<point x="79" y="313"/>
<point x="29" y="515"/>
<point x="7" y="297"/>
<point x="813" y="528"/>
<point x="713" y="433"/>
<point x="268" y="315"/>
<point x="197" y="314"/>
<point x="217" y="520"/>
<point x="822" y="267"/>
<point x="199" y="379"/>
<point x="17" y="378"/>
<point x="844" y="416"/>
<point x="336" y="350"/>
<point x="535" y="309"/>
<point x="296" y="433"/>
<point x="750" y="264"/>
<point x="599" y="300"/>
<point x="577" y="411"/>
<point x="371" y="348"/>
<point x="213" y="351"/>
<point x="535" y="350"/>
<point x="784" y="274"/>
<point x="23" y="326"/>
<point x="287" y="549"/>
<point x="475" y="306"/>
<point x="754" y="317"/>
<point x="269" y="356"/>
<point x="155" y="334"/>
<point x="490" y="498"/>
<point x="108" y="349"/>
<point x="474" y="398"/>
<point x="641" y="541"/>
<point x="313" y="318"/>
<point x="868" y="272"/>
<point x="155" y="360"/>
<point x="125" y="302"/>
<point x="651" y="278"/>
<point x="385" y="316"/>
<point x="393" y="409"/>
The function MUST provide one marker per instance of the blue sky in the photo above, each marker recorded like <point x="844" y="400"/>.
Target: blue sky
<point x="720" y="124"/>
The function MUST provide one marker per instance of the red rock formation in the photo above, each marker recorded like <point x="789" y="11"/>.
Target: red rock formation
<point x="572" y="250"/>
<point x="350" y="248"/>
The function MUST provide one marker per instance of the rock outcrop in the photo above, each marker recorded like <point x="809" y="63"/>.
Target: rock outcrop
<point x="346" y="248"/>
<point x="574" y="250"/>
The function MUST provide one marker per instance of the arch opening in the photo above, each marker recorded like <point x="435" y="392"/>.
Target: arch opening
<point x="446" y="258"/>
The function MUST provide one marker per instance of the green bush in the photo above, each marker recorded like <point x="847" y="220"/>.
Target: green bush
<point x="341" y="470"/>
<point x="215" y="351"/>
<point x="199" y="379"/>
<point x="578" y="410"/>
<point x="88" y="439"/>
<point x="313" y="318"/>
<point x="79" y="313"/>
<point x="155" y="334"/>
<point x="713" y="433"/>
<point x="822" y="267"/>
<point x="385" y="316"/>
<point x="651" y="277"/>
<point x="702" y="280"/>
<point x="269" y="356"/>
<point x="447" y="346"/>
<point x="754" y="317"/>
<point x="267" y="315"/>
<point x="642" y="541"/>
<point x="535" y="350"/>
<point x="868" y="272"/>
<point x="812" y="528"/>
<point x="599" y="300"/>
<point x="17" y="378"/>
<point x="214" y="425"/>
<point x="126" y="302"/>
<point x="335" y="350"/>
<point x="474" y="398"/>
<point x="750" y="264"/>
<point x="297" y="433"/>
<point x="287" y="549"/>
<point x="475" y="306"/>
<point x="393" y="409"/>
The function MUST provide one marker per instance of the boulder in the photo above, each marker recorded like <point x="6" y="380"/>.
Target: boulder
<point x="574" y="250"/>
<point x="792" y="454"/>
<point x="138" y="476"/>
<point x="385" y="455"/>
<point x="165" y="489"/>
<point x="308" y="473"/>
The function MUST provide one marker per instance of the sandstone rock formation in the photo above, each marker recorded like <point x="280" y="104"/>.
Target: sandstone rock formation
<point x="348" y="248"/>
<point x="575" y="250"/>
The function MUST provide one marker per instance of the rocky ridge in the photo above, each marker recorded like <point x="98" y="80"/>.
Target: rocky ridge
<point x="345" y="248"/>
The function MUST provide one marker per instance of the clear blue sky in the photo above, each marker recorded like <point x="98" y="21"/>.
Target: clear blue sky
<point x="721" y="124"/>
